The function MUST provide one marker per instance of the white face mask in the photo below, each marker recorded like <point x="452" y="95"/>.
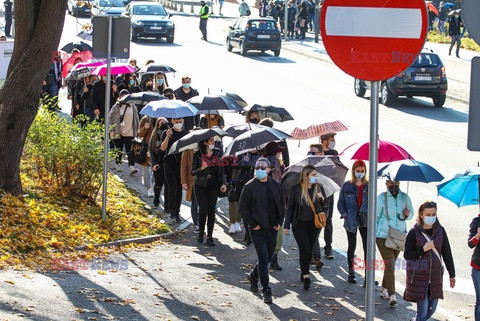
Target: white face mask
<point x="331" y="145"/>
<point x="178" y="126"/>
<point x="211" y="147"/>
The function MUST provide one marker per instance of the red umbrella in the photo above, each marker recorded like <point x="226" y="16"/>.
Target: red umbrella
<point x="91" y="63"/>
<point x="116" y="69"/>
<point x="84" y="56"/>
<point x="431" y="7"/>
<point x="387" y="151"/>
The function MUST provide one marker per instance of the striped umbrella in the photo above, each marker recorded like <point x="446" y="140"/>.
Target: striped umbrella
<point x="318" y="130"/>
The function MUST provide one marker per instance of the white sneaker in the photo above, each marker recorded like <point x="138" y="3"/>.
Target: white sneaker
<point x="232" y="229"/>
<point x="133" y="170"/>
<point x="150" y="192"/>
<point x="393" y="300"/>
<point x="384" y="294"/>
<point x="238" y="229"/>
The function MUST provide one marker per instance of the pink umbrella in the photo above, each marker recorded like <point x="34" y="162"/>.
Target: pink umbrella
<point x="92" y="63"/>
<point x="387" y="151"/>
<point x="116" y="69"/>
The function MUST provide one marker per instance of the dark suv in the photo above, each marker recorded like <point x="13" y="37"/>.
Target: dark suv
<point x="425" y="77"/>
<point x="255" y="34"/>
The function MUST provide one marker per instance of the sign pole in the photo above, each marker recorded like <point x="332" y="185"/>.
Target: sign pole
<point x="372" y="199"/>
<point x="106" y="119"/>
<point x="285" y="22"/>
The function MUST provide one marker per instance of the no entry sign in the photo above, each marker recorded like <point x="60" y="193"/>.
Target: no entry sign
<point x="374" y="39"/>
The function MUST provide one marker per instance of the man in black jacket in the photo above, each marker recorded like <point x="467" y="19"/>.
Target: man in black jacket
<point x="454" y="32"/>
<point x="184" y="93"/>
<point x="262" y="208"/>
<point x="98" y="97"/>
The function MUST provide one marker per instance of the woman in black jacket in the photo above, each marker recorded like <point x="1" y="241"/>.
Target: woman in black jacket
<point x="301" y="217"/>
<point x="302" y="20"/>
<point x="473" y="241"/>
<point x="209" y="179"/>
<point x="85" y="98"/>
<point x="156" y="160"/>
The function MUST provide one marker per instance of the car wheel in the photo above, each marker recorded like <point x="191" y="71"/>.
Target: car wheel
<point x="170" y="39"/>
<point x="386" y="97"/>
<point x="243" y="50"/>
<point x="409" y="96"/>
<point x="439" y="100"/>
<point x="229" y="45"/>
<point x="276" y="53"/>
<point x="359" y="88"/>
<point x="134" y="37"/>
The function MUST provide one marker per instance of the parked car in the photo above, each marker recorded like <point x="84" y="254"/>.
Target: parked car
<point x="255" y="34"/>
<point x="79" y="8"/>
<point x="425" y="77"/>
<point x="150" y="19"/>
<point x="107" y="8"/>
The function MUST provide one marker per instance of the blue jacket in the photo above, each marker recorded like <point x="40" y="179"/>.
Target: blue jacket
<point x="395" y="208"/>
<point x="347" y="205"/>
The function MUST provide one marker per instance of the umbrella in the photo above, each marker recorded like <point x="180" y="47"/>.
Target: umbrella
<point x="330" y="166"/>
<point x="80" y="45"/>
<point x="453" y="12"/>
<point x="115" y="69"/>
<point x="254" y="139"/>
<point x="318" y="130"/>
<point x="85" y="35"/>
<point x="431" y="7"/>
<point x="89" y="63"/>
<point x="215" y="104"/>
<point x="449" y="5"/>
<point x="79" y="73"/>
<point x="463" y="188"/>
<point x="191" y="140"/>
<point x="292" y="178"/>
<point x="239" y="100"/>
<point x="141" y="98"/>
<point x="169" y="109"/>
<point x="237" y="130"/>
<point x="275" y="113"/>
<point x="152" y="68"/>
<point x="67" y="66"/>
<point x="410" y="170"/>
<point x="387" y="151"/>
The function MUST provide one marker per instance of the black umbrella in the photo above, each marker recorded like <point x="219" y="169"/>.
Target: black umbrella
<point x="85" y="35"/>
<point x="266" y="111"/>
<point x="80" y="45"/>
<point x="330" y="166"/>
<point x="239" y="100"/>
<point x="152" y="68"/>
<point x="237" y="130"/>
<point x="290" y="179"/>
<point x="215" y="104"/>
<point x="141" y="98"/>
<point x="254" y="139"/>
<point x="191" y="140"/>
<point x="79" y="73"/>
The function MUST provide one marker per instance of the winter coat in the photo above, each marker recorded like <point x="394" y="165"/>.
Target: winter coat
<point x="454" y="26"/>
<point x="115" y="119"/>
<point x="98" y="97"/>
<point x="186" y="176"/>
<point x="86" y="102"/>
<point x="145" y="134"/>
<point x="347" y="205"/>
<point x="295" y="204"/>
<point x="241" y="172"/>
<point x="213" y="171"/>
<point x="209" y="123"/>
<point x="473" y="243"/>
<point x="395" y="209"/>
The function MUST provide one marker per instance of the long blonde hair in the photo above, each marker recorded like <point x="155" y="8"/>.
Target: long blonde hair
<point x="154" y="137"/>
<point x="307" y="170"/>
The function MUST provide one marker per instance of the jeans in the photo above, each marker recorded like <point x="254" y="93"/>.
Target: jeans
<point x="146" y="174"/>
<point x="390" y="257"/>
<point x="352" y="245"/>
<point x="426" y="308"/>
<point x="172" y="177"/>
<point x="306" y="234"/>
<point x="441" y="26"/>
<point x="119" y="144"/>
<point x="203" y="28"/>
<point x="194" y="208"/>
<point x="264" y="242"/>
<point x="456" y="39"/>
<point x="207" y="200"/>
<point x="476" y="284"/>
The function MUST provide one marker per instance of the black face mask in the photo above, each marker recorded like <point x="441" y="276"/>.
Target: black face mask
<point x="149" y="88"/>
<point x="164" y="127"/>
<point x="394" y="189"/>
<point x="254" y="121"/>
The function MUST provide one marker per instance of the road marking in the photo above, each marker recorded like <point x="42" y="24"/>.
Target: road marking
<point x="401" y="23"/>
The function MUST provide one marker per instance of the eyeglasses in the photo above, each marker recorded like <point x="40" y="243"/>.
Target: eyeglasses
<point x="261" y="167"/>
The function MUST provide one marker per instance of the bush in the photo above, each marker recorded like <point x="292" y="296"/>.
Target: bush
<point x="467" y="43"/>
<point x="64" y="155"/>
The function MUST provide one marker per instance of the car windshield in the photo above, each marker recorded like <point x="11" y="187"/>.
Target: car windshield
<point x="111" y="3"/>
<point x="262" y="24"/>
<point x="426" y="60"/>
<point x="149" y="10"/>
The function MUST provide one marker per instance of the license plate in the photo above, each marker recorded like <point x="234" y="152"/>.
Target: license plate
<point x="156" y="28"/>
<point x="263" y="36"/>
<point x="422" y="78"/>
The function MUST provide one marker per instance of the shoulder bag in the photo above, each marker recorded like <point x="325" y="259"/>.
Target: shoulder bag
<point x="319" y="219"/>
<point x="435" y="251"/>
<point x="395" y="238"/>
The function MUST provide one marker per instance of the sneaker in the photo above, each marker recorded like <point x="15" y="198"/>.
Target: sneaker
<point x="267" y="296"/>
<point x="306" y="283"/>
<point x="393" y="300"/>
<point x="231" y="231"/>
<point x="238" y="228"/>
<point x="384" y="294"/>
<point x="177" y="218"/>
<point x="351" y="277"/>
<point x="133" y="170"/>
<point x="329" y="255"/>
<point x="150" y="192"/>
<point x="253" y="283"/>
<point x="196" y="229"/>
<point x="318" y="263"/>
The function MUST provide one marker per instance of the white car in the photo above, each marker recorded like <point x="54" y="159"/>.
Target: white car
<point x="107" y="8"/>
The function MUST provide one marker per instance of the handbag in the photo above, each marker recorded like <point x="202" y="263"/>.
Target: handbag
<point x="302" y="23"/>
<point x="319" y="219"/>
<point x="139" y="151"/>
<point x="395" y="238"/>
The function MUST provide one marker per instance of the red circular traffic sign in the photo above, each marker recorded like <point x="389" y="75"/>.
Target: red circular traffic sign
<point x="374" y="39"/>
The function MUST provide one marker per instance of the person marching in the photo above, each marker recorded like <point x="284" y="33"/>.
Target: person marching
<point x="262" y="208"/>
<point x="473" y="241"/>
<point x="305" y="197"/>
<point x="203" y="19"/>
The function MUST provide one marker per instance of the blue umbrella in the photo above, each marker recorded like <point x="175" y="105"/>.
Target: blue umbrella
<point x="463" y="188"/>
<point x="169" y="109"/>
<point x="450" y="5"/>
<point x="410" y="170"/>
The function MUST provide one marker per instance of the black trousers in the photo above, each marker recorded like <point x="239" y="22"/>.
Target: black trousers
<point x="159" y="176"/>
<point x="172" y="178"/>
<point x="264" y="242"/>
<point x="352" y="245"/>
<point x="203" y="28"/>
<point x="306" y="234"/>
<point x="207" y="200"/>
<point x="8" y="25"/>
<point x="119" y="144"/>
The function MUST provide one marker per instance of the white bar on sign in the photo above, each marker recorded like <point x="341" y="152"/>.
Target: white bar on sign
<point x="373" y="22"/>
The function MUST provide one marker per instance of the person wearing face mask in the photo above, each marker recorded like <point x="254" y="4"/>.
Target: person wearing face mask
<point x="252" y="117"/>
<point x="98" y="97"/>
<point x="353" y="207"/>
<point x="160" y="82"/>
<point x="262" y="207"/>
<point x="398" y="206"/>
<point x="209" y="180"/>
<point x="172" y="167"/>
<point x="184" y="93"/>
<point x="157" y="162"/>
<point x="129" y="83"/>
<point x="307" y="195"/>
<point x="168" y="93"/>
<point x="328" y="144"/>
<point x="426" y="246"/>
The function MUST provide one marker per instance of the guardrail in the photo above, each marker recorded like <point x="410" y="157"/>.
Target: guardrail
<point x="182" y="5"/>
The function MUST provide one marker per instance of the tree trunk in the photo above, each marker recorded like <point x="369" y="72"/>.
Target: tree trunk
<point x="38" y="27"/>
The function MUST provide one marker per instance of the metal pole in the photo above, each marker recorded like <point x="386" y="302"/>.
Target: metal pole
<point x="107" y="120"/>
<point x="285" y="23"/>
<point x="316" y="20"/>
<point x="372" y="199"/>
